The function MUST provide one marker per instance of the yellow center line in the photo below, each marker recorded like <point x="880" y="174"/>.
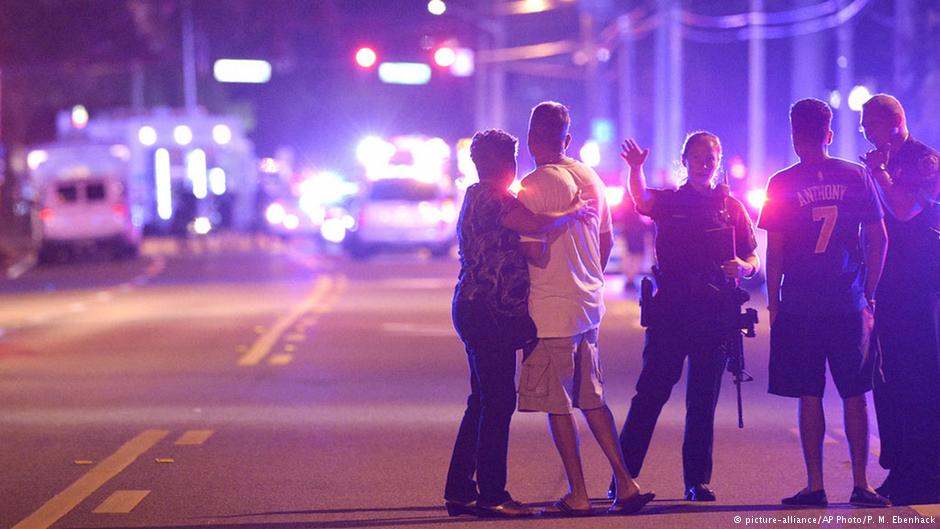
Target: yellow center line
<point x="266" y="341"/>
<point x="68" y="499"/>
<point x="121" y="501"/>
<point x="194" y="437"/>
<point x="932" y="509"/>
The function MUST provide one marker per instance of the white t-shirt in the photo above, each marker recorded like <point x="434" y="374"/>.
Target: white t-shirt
<point x="566" y="297"/>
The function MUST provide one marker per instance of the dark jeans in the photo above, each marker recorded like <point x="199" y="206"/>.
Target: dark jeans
<point x="483" y="438"/>
<point x="907" y="400"/>
<point x="663" y="356"/>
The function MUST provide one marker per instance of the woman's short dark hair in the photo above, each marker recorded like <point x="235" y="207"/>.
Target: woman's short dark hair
<point x="810" y="118"/>
<point x="492" y="150"/>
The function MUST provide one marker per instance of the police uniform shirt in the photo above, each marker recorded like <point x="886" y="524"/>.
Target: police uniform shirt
<point x="692" y="236"/>
<point x="914" y="246"/>
<point x="819" y="208"/>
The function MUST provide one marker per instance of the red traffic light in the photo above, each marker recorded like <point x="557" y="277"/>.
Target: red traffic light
<point x="366" y="57"/>
<point x="445" y="57"/>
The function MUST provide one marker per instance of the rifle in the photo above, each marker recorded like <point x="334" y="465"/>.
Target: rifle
<point x="739" y="323"/>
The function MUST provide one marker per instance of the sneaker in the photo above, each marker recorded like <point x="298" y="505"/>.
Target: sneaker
<point x="868" y="498"/>
<point x="816" y="498"/>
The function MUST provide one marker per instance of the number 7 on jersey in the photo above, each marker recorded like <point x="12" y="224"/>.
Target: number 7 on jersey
<point x="829" y="215"/>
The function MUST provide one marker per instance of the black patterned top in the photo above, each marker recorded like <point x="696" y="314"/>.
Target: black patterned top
<point x="492" y="267"/>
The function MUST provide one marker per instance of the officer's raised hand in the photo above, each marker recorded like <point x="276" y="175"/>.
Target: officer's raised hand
<point x="631" y="153"/>
<point x="635" y="157"/>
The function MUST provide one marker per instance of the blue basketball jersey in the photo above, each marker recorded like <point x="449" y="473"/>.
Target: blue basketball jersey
<point x="819" y="209"/>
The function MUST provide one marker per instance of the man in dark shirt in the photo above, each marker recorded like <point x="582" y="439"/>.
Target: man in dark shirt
<point x="827" y="279"/>
<point x="907" y="173"/>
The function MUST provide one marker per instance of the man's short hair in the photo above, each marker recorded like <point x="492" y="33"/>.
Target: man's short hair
<point x="810" y="119"/>
<point x="549" y="123"/>
<point x="884" y="104"/>
<point x="491" y="151"/>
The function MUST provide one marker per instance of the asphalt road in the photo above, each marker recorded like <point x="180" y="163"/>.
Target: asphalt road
<point x="247" y="384"/>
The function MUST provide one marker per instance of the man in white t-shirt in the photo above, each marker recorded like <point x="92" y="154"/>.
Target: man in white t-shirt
<point x="566" y="272"/>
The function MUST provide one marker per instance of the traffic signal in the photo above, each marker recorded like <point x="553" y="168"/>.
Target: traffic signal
<point x="366" y="57"/>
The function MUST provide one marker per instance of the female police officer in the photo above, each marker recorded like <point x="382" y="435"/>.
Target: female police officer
<point x="704" y="244"/>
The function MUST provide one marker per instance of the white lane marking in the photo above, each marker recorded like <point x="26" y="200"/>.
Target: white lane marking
<point x="77" y="492"/>
<point x="194" y="437"/>
<point x="418" y="329"/>
<point x="121" y="501"/>
<point x="416" y="284"/>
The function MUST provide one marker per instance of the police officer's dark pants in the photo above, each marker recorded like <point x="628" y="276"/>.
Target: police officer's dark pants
<point x="483" y="438"/>
<point x="907" y="402"/>
<point x="663" y="356"/>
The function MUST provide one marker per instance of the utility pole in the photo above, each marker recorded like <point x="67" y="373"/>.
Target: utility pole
<point x="668" y="100"/>
<point x="756" y="98"/>
<point x="625" y="74"/>
<point x="805" y="66"/>
<point x="189" y="57"/>
<point x="846" y="118"/>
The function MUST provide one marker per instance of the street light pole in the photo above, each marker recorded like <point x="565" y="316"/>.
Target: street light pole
<point x="189" y="57"/>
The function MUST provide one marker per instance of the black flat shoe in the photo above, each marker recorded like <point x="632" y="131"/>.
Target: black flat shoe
<point x="457" y="508"/>
<point x="632" y="504"/>
<point x="699" y="492"/>
<point x="866" y="498"/>
<point x="561" y="508"/>
<point x="816" y="498"/>
<point x="509" y="509"/>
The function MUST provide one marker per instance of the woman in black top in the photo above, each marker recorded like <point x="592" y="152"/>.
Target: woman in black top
<point x="704" y="244"/>
<point x="490" y="312"/>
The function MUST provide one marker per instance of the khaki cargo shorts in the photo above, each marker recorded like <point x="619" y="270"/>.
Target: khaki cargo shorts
<point x="561" y="374"/>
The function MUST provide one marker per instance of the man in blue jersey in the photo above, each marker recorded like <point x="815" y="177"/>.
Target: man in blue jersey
<point x="821" y="276"/>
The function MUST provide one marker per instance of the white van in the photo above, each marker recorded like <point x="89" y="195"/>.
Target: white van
<point x="91" y="213"/>
<point x="84" y="200"/>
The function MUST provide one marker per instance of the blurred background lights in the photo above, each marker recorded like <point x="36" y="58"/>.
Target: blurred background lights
<point x="182" y="135"/>
<point x="437" y="7"/>
<point x="217" y="181"/>
<point x="737" y="169"/>
<point x="591" y="153"/>
<point x="36" y="158"/>
<point x="858" y="97"/>
<point x="445" y="57"/>
<point x="79" y="116"/>
<point x="241" y="71"/>
<point x="366" y="57"/>
<point x="835" y="99"/>
<point x="463" y="63"/>
<point x="333" y="230"/>
<point x="756" y="198"/>
<point x="407" y="73"/>
<point x="221" y="134"/>
<point x="147" y="135"/>
<point x="202" y="225"/>
<point x="275" y="213"/>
